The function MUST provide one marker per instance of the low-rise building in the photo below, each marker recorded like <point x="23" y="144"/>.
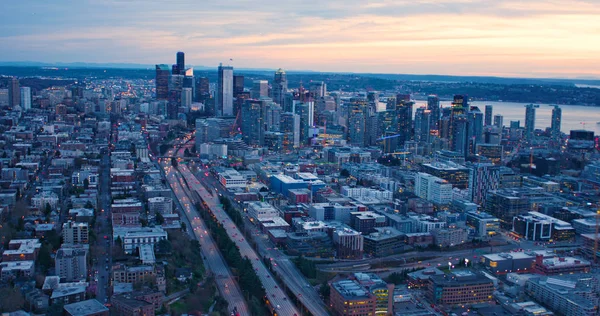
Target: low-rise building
<point x="449" y="237"/>
<point x="541" y="227"/>
<point x="560" y="265"/>
<point x="67" y="295"/>
<point x="22" y="250"/>
<point x="261" y="210"/>
<point x="460" y="287"/>
<point x="567" y="295"/>
<point x="86" y="308"/>
<point x="132" y="238"/>
<point x="348" y="243"/>
<point x="361" y="294"/>
<point x="132" y="307"/>
<point x="232" y="179"/>
<point x="483" y="224"/>
<point x="366" y="222"/>
<point x="384" y="241"/>
<point x="10" y="270"/>
<point x="159" y="204"/>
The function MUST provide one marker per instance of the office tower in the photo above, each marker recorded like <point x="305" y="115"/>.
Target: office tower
<point x="499" y="121"/>
<point x="318" y="89"/>
<point x="162" y="82"/>
<point x="25" y="98"/>
<point x="556" y="120"/>
<point x="280" y="86"/>
<point x="189" y="81"/>
<point x="529" y="121"/>
<point x="260" y="88"/>
<point x="253" y="124"/>
<point x="488" y="115"/>
<point x="202" y="89"/>
<point x="515" y="124"/>
<point x="433" y="105"/>
<point x="475" y="129"/>
<point x="224" y="93"/>
<point x="238" y="85"/>
<point x="357" y="121"/>
<point x="272" y="117"/>
<point x="457" y="124"/>
<point x="483" y="177"/>
<point x="422" y="124"/>
<point x="290" y="126"/>
<point x="14" y="92"/>
<point x="306" y="111"/>
<point x="174" y="98"/>
<point x="404" y="118"/>
<point x="180" y="63"/>
<point x="186" y="97"/>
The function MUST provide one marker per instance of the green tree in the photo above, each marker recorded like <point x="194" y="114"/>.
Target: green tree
<point x="325" y="291"/>
<point x="44" y="260"/>
<point x="345" y="173"/>
<point x="89" y="204"/>
<point x="159" y="219"/>
<point x="86" y="183"/>
<point x="48" y="209"/>
<point x="183" y="227"/>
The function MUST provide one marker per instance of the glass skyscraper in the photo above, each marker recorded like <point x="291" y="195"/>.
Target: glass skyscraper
<point x="224" y="93"/>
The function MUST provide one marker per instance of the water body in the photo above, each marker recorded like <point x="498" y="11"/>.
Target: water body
<point x="573" y="116"/>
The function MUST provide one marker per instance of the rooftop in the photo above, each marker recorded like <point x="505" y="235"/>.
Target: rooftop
<point x="88" y="307"/>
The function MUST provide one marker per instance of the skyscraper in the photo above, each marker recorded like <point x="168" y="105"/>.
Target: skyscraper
<point x="162" y="82"/>
<point x="475" y="128"/>
<point x="290" y="127"/>
<point x="186" y="97"/>
<point x="458" y="124"/>
<point x="174" y="96"/>
<point x="488" y="115"/>
<point x="224" y="93"/>
<point x="189" y="81"/>
<point x="318" y="89"/>
<point x="14" y="92"/>
<point x="357" y="121"/>
<point x="306" y="111"/>
<point x="433" y="105"/>
<point x="529" y="121"/>
<point x="238" y="85"/>
<point x="202" y="89"/>
<point x="280" y="86"/>
<point x="483" y="177"/>
<point x="556" y="120"/>
<point x="422" y="125"/>
<point x="253" y="123"/>
<point x="180" y="63"/>
<point x="25" y="98"/>
<point x="499" y="121"/>
<point x="260" y="88"/>
<point x="404" y="118"/>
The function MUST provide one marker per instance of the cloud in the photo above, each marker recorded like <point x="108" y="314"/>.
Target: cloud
<point x="533" y="38"/>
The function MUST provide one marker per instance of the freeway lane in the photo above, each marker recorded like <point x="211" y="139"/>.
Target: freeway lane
<point x="276" y="296"/>
<point x="214" y="262"/>
<point x="284" y="267"/>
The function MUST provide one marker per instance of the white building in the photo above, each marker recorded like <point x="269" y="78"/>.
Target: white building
<point x="159" y="204"/>
<point x="71" y="263"/>
<point x="25" y="98"/>
<point x="426" y="224"/>
<point x="362" y="192"/>
<point x="447" y="237"/>
<point x="261" y="210"/>
<point x="132" y="238"/>
<point x="75" y="233"/>
<point x="16" y="269"/>
<point x="43" y="198"/>
<point x="231" y="179"/>
<point x="433" y="189"/>
<point x="212" y="150"/>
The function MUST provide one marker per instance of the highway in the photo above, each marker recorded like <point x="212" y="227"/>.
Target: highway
<point x="282" y="265"/>
<point x="213" y="260"/>
<point x="277" y="298"/>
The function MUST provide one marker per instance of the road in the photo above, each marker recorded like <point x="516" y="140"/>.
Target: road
<point x="282" y="265"/>
<point x="213" y="260"/>
<point x="276" y="296"/>
<point x="103" y="260"/>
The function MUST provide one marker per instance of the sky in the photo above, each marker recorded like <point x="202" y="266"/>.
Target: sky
<point x="511" y="38"/>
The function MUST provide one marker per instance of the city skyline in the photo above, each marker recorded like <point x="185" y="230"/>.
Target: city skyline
<point x="461" y="37"/>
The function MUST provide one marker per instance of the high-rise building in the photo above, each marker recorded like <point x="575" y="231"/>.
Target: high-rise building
<point x="14" y="92"/>
<point x="186" y="97"/>
<point x="404" y="118"/>
<point x="253" y="123"/>
<point x="290" y="126"/>
<point x="202" y="89"/>
<point x="189" y="81"/>
<point x="162" y="82"/>
<point x="529" y="121"/>
<point x="318" y="89"/>
<point x="433" y="105"/>
<point x="422" y="125"/>
<point x="433" y="189"/>
<point x="498" y="121"/>
<point x="224" y="93"/>
<point x="556" y="120"/>
<point x="475" y="129"/>
<point x="483" y="177"/>
<point x="357" y="121"/>
<point x="488" y="115"/>
<point x="260" y="88"/>
<point x="238" y="85"/>
<point x="71" y="263"/>
<point x="174" y="98"/>
<point x="25" y="98"/>
<point x="458" y="124"/>
<point x="180" y="63"/>
<point x="306" y="111"/>
<point x="280" y="86"/>
<point x="75" y="233"/>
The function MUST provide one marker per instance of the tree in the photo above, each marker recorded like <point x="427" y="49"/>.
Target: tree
<point x="89" y="204"/>
<point x="11" y="299"/>
<point x="57" y="153"/>
<point x="159" y="219"/>
<point x="48" y="209"/>
<point x="44" y="260"/>
<point x="324" y="290"/>
<point x="345" y="173"/>
<point x="183" y="227"/>
<point x="86" y="183"/>
<point x="174" y="162"/>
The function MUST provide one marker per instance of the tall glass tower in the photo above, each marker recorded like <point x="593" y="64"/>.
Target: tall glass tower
<point x="224" y="93"/>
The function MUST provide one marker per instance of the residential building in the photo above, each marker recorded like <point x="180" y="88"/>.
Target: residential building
<point x="483" y="177"/>
<point x="159" y="204"/>
<point x="433" y="189"/>
<point x="86" y="308"/>
<point x="71" y="263"/>
<point x="449" y="237"/>
<point x="567" y="295"/>
<point x="224" y="93"/>
<point x="75" y="232"/>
